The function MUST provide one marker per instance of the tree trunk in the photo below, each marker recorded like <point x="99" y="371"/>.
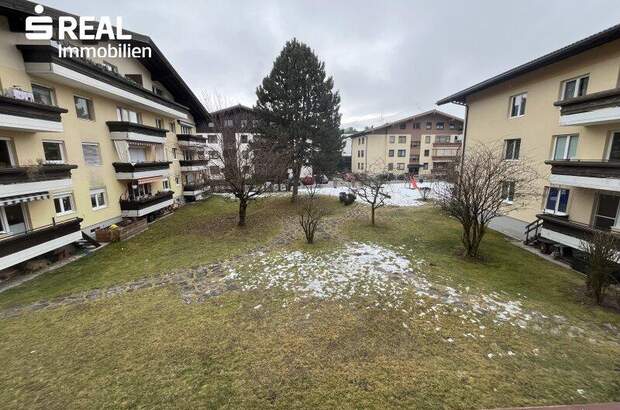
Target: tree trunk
<point x="243" y="206"/>
<point x="372" y="215"/>
<point x="295" y="181"/>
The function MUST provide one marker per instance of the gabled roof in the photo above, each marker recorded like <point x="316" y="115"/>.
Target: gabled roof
<point x="595" y="40"/>
<point x="413" y="117"/>
<point x="238" y="107"/>
<point x="159" y="66"/>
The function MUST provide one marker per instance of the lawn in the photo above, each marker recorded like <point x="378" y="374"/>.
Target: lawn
<point x="374" y="317"/>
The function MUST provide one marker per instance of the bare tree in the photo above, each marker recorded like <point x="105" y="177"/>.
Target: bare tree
<point x="602" y="257"/>
<point x="310" y="212"/>
<point x="370" y="188"/>
<point x="481" y="186"/>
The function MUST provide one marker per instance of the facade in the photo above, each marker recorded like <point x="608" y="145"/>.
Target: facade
<point x="562" y="112"/>
<point x="421" y="145"/>
<point x="85" y="142"/>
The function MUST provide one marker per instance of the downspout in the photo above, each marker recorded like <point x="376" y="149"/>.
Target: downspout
<point x="465" y="131"/>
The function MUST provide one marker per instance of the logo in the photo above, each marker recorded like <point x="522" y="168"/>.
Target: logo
<point x="83" y="28"/>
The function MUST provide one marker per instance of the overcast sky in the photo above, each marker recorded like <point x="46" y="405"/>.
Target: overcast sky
<point x="389" y="59"/>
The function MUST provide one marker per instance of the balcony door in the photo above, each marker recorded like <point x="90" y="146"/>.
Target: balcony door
<point x="14" y="218"/>
<point x="6" y="156"/>
<point x="614" y="149"/>
<point x="607" y="211"/>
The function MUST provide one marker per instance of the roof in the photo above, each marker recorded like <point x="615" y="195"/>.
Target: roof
<point x="161" y="69"/>
<point x="595" y="40"/>
<point x="237" y="107"/>
<point x="413" y="117"/>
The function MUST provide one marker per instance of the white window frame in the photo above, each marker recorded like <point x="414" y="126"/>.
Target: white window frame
<point x="96" y="193"/>
<point x="4" y="229"/>
<point x="52" y="91"/>
<point x="557" y="202"/>
<point x="11" y="149"/>
<point x="89" y="103"/>
<point x="71" y="201"/>
<point x="512" y="102"/>
<point x="96" y="144"/>
<point x="578" y="81"/>
<point x="566" y="148"/>
<point x="403" y="137"/>
<point x="126" y="112"/>
<point x="507" y="199"/>
<point x="165" y="184"/>
<point x="401" y="151"/>
<point x="159" y="123"/>
<point x="63" y="154"/>
<point x="504" y="154"/>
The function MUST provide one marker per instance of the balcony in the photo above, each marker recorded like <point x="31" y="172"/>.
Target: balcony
<point x="138" y="170"/>
<point x="191" y="141"/>
<point x="591" y="174"/>
<point x="591" y="109"/>
<point x="193" y="165"/>
<point x="561" y="230"/>
<point x="43" y="61"/>
<point x="27" y="116"/>
<point x="26" y="180"/>
<point x="137" y="207"/>
<point x="19" y="248"/>
<point x="195" y="190"/>
<point x="129" y="131"/>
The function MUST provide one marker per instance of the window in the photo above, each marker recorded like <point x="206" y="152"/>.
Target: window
<point x="127" y="115"/>
<point x="427" y="139"/>
<point x="452" y="126"/>
<point x="244" y="139"/>
<point x="508" y="191"/>
<point x="425" y="165"/>
<point x="576" y="87"/>
<point x="54" y="152"/>
<point x="557" y="200"/>
<point x="165" y="184"/>
<point x="228" y="123"/>
<point x="136" y="78"/>
<point x="360" y="153"/>
<point x="92" y="154"/>
<point x="214" y="170"/>
<point x="426" y="152"/>
<point x="401" y="166"/>
<point x="416" y="125"/>
<point x="442" y="138"/>
<point x="97" y="199"/>
<point x="64" y="204"/>
<point x="158" y="91"/>
<point x="6" y="153"/>
<point x="212" y="139"/>
<point x="110" y="67"/>
<point x="415" y="144"/>
<point x="517" y="105"/>
<point x="186" y="129"/>
<point x="565" y="147"/>
<point x="429" y="125"/>
<point x="43" y="95"/>
<point x="174" y="153"/>
<point x="176" y="180"/>
<point x="211" y="125"/>
<point x="159" y="123"/>
<point x="607" y="211"/>
<point x="440" y="125"/>
<point x="512" y="148"/>
<point x="392" y="139"/>
<point x="402" y="152"/>
<point x="83" y="108"/>
<point x="173" y="127"/>
<point x="213" y="154"/>
<point x="244" y="123"/>
<point x="391" y="153"/>
<point x="390" y="166"/>
<point x="402" y="125"/>
<point x="402" y="139"/>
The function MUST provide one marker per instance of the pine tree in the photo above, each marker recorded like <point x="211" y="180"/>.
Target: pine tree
<point x="298" y="110"/>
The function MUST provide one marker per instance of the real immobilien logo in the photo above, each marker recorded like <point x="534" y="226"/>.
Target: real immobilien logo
<point x="84" y="28"/>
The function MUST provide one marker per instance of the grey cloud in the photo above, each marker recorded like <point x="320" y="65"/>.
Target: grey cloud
<point x="389" y="59"/>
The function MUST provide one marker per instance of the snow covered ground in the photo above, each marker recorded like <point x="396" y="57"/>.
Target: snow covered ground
<point x="400" y="192"/>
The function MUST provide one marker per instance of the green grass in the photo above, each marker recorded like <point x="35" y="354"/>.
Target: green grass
<point x="149" y="349"/>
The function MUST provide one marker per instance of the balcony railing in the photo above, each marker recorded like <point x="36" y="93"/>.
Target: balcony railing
<point x="146" y="202"/>
<point x="133" y="131"/>
<point x="596" y="108"/>
<point x="585" y="168"/>
<point x="562" y="225"/>
<point x="35" y="237"/>
<point x="30" y="116"/>
<point x="141" y="166"/>
<point x="35" y="173"/>
<point x="193" y="162"/>
<point x="191" y="139"/>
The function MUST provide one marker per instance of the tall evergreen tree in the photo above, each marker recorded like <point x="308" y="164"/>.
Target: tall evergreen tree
<point x="299" y="110"/>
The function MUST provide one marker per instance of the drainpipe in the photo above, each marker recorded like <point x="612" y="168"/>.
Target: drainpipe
<point x="465" y="132"/>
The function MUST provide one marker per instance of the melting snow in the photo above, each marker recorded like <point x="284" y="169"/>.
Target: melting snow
<point x="400" y="193"/>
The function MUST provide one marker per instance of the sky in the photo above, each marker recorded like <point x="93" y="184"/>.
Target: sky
<point x="389" y="59"/>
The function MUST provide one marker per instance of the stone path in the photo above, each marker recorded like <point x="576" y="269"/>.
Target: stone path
<point x="201" y="283"/>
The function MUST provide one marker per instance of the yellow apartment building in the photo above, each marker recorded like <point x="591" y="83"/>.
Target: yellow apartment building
<point x="561" y="111"/>
<point x="421" y="144"/>
<point x="85" y="143"/>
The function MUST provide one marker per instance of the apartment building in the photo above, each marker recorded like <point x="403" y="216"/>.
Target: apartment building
<point x="422" y="144"/>
<point x="85" y="143"/>
<point x="561" y="111"/>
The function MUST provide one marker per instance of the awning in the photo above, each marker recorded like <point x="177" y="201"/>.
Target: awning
<point x="149" y="180"/>
<point x="18" y="199"/>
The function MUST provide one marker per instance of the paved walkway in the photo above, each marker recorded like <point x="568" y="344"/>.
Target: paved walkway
<point x="509" y="226"/>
